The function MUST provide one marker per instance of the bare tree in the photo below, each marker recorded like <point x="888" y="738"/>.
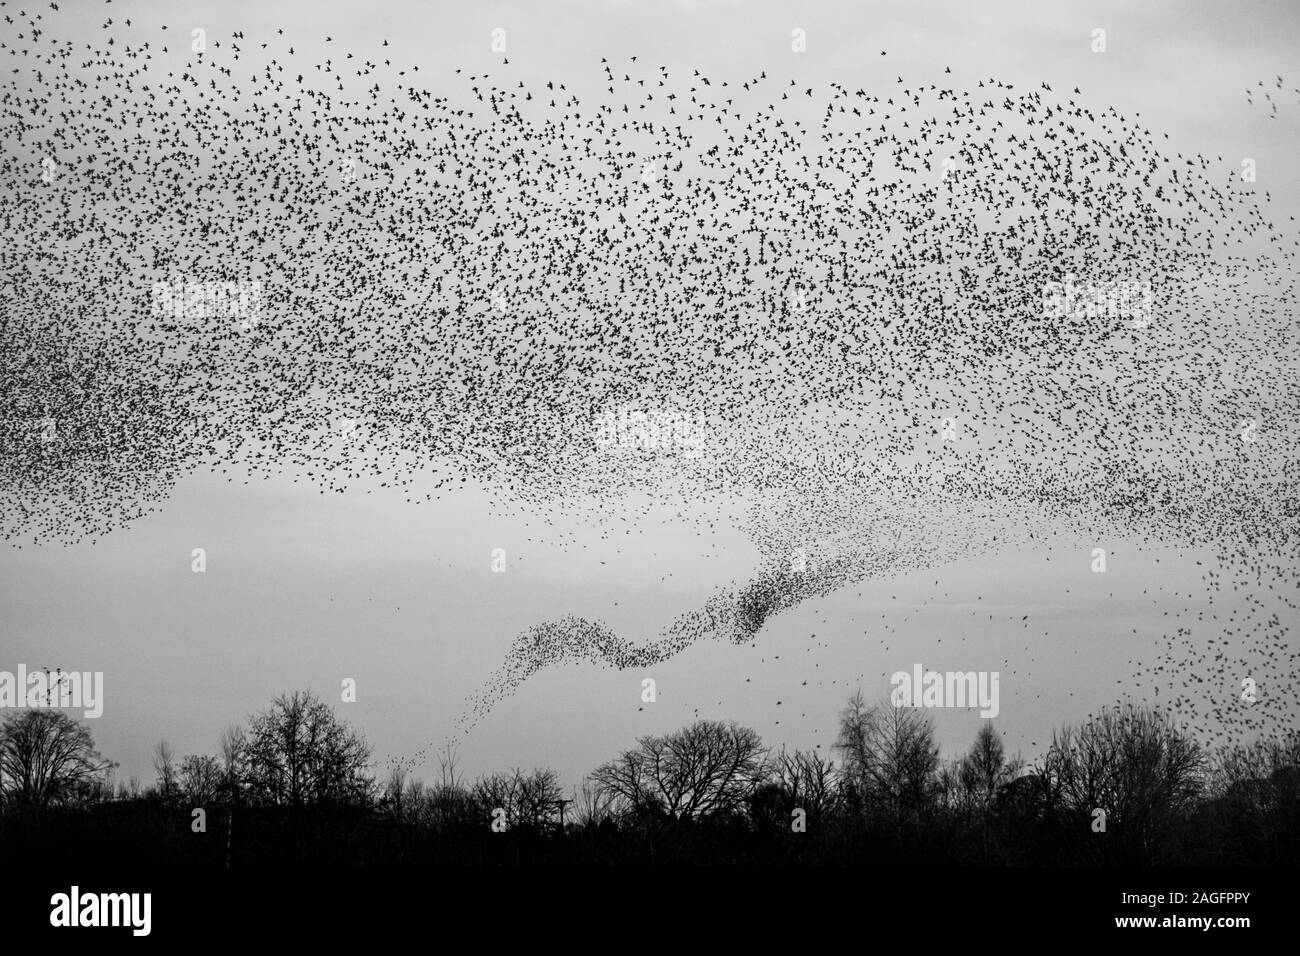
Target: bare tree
<point x="985" y="770"/>
<point x="415" y="800"/>
<point x="447" y="773"/>
<point x="47" y="758"/>
<point x="1130" y="762"/>
<point x="164" y="765"/>
<point x="538" y="797"/>
<point x="299" y="753"/>
<point x="200" y="780"/>
<point x="1248" y="774"/>
<point x="591" y="805"/>
<point x="705" y="769"/>
<point x="448" y="804"/>
<point x="1259" y="785"/>
<point x="395" y="788"/>
<point x="809" y="782"/>
<point x="891" y="761"/>
<point x="231" y="742"/>
<point x="529" y="799"/>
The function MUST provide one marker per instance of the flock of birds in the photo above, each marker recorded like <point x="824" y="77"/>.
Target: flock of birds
<point x="1268" y="96"/>
<point x="463" y="272"/>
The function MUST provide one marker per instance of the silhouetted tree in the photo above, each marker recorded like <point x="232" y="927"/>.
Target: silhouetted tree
<point x="708" y="793"/>
<point x="232" y="744"/>
<point x="1252" y="773"/>
<point x="890" y="758"/>
<point x="985" y="770"/>
<point x="46" y="759"/>
<point x="164" y="766"/>
<point x="808" y="782"/>
<point x="298" y="753"/>
<point x="128" y="789"/>
<point x="592" y="806"/>
<point x="395" y="788"/>
<point x="200" y="780"/>
<point x="1135" y="765"/>
<point x="1256" y="792"/>
<point x="707" y="768"/>
<point x="530" y="799"/>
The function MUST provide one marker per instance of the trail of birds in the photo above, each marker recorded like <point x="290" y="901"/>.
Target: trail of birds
<point x="463" y="273"/>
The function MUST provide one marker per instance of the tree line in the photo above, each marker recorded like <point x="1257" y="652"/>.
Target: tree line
<point x="296" y="784"/>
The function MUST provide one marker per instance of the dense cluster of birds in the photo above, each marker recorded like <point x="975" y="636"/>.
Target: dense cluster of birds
<point x="462" y="274"/>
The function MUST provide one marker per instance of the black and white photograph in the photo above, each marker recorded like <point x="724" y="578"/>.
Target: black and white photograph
<point x="515" y="465"/>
